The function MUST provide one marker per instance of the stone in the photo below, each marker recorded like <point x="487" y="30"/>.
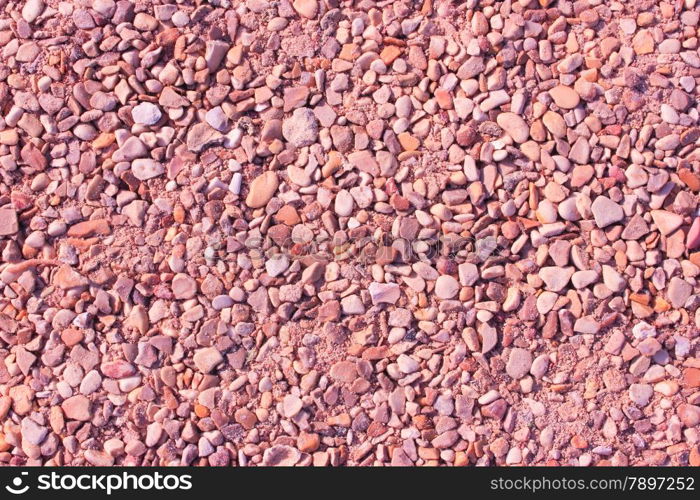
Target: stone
<point x="146" y="113"/>
<point x="276" y="265"/>
<point x="519" y="363"/>
<point x="539" y="366"/>
<point x="387" y="293"/>
<point x="344" y="203"/>
<point x="301" y="128"/>
<point x="352" y="304"/>
<point x="580" y="151"/>
<point x="643" y="42"/>
<point x="635" y="228"/>
<point x="9" y="224"/>
<point x="556" y="278"/>
<point x="33" y="432"/>
<point x="215" y="52"/>
<point x="666" y="222"/>
<point x="679" y="291"/>
<point x="586" y="324"/>
<point x="693" y="239"/>
<point x="77" y="408"/>
<point x="145" y="169"/>
<point x="643" y="330"/>
<point x="201" y="135"/>
<point x="555" y="124"/>
<point x="217" y="119"/>
<point x="207" y="359"/>
<point x="407" y="364"/>
<point x="567" y="210"/>
<point x="184" y="287"/>
<point x="306" y="8"/>
<point x="262" y="189"/>
<point x="640" y="394"/>
<point x="68" y="278"/>
<point x="291" y="405"/>
<point x="31" y="11"/>
<point x="606" y="212"/>
<point x="613" y="280"/>
<point x="514" y="126"/>
<point x="564" y="97"/>
<point x="344" y="371"/>
<point x="468" y="274"/>
<point x="689" y="414"/>
<point x="281" y="456"/>
<point x="446" y="287"/>
<point x="489" y="337"/>
<point x="581" y="279"/>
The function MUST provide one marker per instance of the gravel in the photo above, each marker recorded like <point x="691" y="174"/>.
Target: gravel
<point x="321" y="233"/>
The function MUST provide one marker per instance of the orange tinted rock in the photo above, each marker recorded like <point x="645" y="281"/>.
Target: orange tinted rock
<point x="389" y="54"/>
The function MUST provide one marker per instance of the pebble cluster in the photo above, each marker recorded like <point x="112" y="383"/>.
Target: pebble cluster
<point x="333" y="232"/>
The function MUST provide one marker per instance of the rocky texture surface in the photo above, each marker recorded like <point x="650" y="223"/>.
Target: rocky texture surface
<point x="349" y="233"/>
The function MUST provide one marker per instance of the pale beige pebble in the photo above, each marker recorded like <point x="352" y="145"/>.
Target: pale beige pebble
<point x="643" y="42"/>
<point x="262" y="189"/>
<point x="554" y="123"/>
<point x="384" y="292"/>
<point x="146" y="113"/>
<point x="145" y="169"/>
<point x="344" y="203"/>
<point x="581" y="279"/>
<point x="32" y="10"/>
<point x="207" y="359"/>
<point x="556" y="278"/>
<point x="99" y="458"/>
<point x="281" y="456"/>
<point x="446" y="287"/>
<point x="291" y="405"/>
<point x="564" y="97"/>
<point x="9" y="224"/>
<point x="679" y="291"/>
<point x="606" y="212"/>
<point x="514" y="125"/>
<point x="666" y="222"/>
<point x="301" y="128"/>
<point x="306" y="8"/>
<point x="519" y="363"/>
<point x="184" y="286"/>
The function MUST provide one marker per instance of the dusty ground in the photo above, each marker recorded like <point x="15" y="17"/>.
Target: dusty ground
<point x="349" y="233"/>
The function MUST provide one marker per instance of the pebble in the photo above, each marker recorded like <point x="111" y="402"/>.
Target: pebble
<point x="31" y="11"/>
<point x="77" y="408"/>
<point x="146" y="113"/>
<point x="387" y="293"/>
<point x="564" y="97"/>
<point x="666" y="222"/>
<point x="9" y="223"/>
<point x="446" y="287"/>
<point x="556" y="278"/>
<point x="606" y="212"/>
<point x="262" y="189"/>
<point x="145" y="169"/>
<point x="514" y="126"/>
<point x="641" y="394"/>
<point x="207" y="359"/>
<point x="519" y="363"/>
<point x="301" y="128"/>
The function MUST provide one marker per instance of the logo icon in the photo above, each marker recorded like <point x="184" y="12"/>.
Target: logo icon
<point x="17" y="483"/>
